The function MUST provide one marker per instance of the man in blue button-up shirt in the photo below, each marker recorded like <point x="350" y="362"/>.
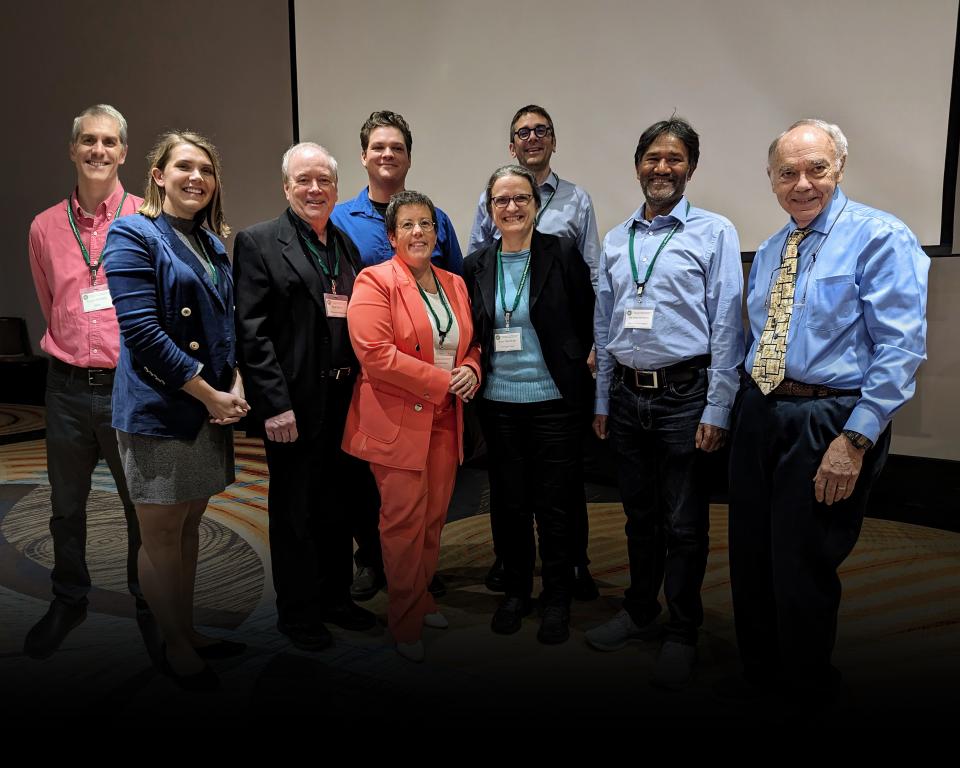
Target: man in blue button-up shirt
<point x="805" y="455"/>
<point x="386" y="144"/>
<point x="669" y="338"/>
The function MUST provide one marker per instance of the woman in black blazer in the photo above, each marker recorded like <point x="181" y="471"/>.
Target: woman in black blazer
<point x="533" y="317"/>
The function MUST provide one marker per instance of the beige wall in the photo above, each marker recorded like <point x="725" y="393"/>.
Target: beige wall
<point x="219" y="67"/>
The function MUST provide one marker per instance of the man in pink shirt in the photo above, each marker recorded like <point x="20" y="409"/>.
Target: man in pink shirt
<point x="83" y="341"/>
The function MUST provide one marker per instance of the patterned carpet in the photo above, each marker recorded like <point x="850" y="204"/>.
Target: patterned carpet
<point x="899" y="627"/>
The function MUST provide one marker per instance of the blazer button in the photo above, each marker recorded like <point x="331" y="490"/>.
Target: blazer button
<point x="418" y="407"/>
<point x="186" y="312"/>
<point x="194" y="345"/>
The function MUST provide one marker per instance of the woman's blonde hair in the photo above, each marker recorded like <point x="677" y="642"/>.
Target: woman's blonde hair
<point x="159" y="157"/>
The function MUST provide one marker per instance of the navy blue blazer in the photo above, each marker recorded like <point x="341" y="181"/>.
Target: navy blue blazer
<point x="172" y="318"/>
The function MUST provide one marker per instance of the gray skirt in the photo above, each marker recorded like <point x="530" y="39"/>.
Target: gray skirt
<point x="166" y="470"/>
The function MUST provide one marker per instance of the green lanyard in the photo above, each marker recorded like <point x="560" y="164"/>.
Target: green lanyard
<point x="76" y="233"/>
<point x="208" y="263"/>
<point x="633" y="259"/>
<point x="523" y="279"/>
<point x="443" y="300"/>
<point x="324" y="267"/>
<point x="556" y="184"/>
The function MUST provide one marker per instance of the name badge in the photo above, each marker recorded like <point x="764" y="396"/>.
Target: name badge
<point x="444" y="359"/>
<point x="335" y="304"/>
<point x="507" y="340"/>
<point x="94" y="299"/>
<point x="638" y="318"/>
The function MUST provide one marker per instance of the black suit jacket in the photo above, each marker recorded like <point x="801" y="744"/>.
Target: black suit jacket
<point x="283" y="336"/>
<point x="561" y="310"/>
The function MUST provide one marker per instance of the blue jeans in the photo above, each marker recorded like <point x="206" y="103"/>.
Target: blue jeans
<point x="664" y="489"/>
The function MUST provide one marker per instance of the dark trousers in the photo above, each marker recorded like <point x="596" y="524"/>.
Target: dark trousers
<point x="315" y="488"/>
<point x="365" y="527"/>
<point x="664" y="489"/>
<point x="79" y="434"/>
<point x="785" y="547"/>
<point x="535" y="465"/>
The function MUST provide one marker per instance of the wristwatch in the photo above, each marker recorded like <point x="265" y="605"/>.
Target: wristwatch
<point x="862" y="442"/>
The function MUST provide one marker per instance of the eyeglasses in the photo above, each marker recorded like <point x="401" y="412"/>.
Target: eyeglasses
<point x="425" y="226"/>
<point x="502" y="201"/>
<point x="540" y="131"/>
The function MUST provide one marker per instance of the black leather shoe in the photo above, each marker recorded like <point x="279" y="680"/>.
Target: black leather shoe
<point x="222" y="649"/>
<point x="47" y="634"/>
<point x="313" y="637"/>
<point x="509" y="615"/>
<point x="204" y="680"/>
<point x="584" y="587"/>
<point x="496" y="580"/>
<point x="555" y="625"/>
<point x="437" y="588"/>
<point x="367" y="582"/>
<point x="349" y="616"/>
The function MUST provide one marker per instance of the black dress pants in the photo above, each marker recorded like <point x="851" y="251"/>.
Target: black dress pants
<point x="535" y="465"/>
<point x="315" y="488"/>
<point x="785" y="546"/>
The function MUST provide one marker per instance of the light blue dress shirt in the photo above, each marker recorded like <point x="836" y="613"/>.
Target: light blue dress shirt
<point x="366" y="226"/>
<point x="860" y="306"/>
<point x="695" y="291"/>
<point x="569" y="214"/>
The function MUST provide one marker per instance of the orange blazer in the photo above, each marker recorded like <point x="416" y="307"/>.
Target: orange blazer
<point x="399" y="388"/>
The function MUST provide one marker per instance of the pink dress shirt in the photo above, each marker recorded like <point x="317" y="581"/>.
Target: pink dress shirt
<point x="60" y="275"/>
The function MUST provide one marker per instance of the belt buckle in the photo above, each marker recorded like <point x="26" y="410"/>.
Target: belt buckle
<point x="646" y="379"/>
<point x="93" y="377"/>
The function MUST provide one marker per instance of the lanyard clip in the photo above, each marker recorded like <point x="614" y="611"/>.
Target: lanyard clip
<point x="506" y="317"/>
<point x="640" y="287"/>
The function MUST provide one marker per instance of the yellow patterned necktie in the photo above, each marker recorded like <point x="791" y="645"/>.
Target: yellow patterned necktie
<point x="770" y="364"/>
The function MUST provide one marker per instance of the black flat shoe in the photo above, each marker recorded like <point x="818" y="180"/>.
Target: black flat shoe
<point x="222" y="649"/>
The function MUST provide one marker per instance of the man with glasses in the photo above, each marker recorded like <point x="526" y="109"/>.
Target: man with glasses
<point x="83" y="341"/>
<point x="386" y="146"/>
<point x="669" y="339"/>
<point x="566" y="211"/>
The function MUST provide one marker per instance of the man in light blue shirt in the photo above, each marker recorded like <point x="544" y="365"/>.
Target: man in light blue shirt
<point x="669" y="338"/>
<point x="837" y="314"/>
<point x="386" y="146"/>
<point x="566" y="211"/>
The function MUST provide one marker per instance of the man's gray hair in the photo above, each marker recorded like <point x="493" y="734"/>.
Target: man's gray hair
<point x="833" y="131"/>
<point x="99" y="110"/>
<point x="285" y="162"/>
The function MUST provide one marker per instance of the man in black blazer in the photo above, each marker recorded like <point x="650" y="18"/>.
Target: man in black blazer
<point x="294" y="276"/>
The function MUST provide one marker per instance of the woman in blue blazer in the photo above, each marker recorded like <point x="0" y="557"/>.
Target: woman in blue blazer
<point x="176" y="390"/>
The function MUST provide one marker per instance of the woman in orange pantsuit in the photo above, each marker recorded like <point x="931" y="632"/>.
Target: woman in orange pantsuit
<point x="411" y="327"/>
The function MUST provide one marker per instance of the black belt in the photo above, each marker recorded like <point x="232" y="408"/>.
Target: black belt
<point x="679" y="373"/>
<point x="93" y="377"/>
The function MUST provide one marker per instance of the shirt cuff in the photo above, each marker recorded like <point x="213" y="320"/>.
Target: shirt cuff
<point x="865" y="422"/>
<point x="716" y="416"/>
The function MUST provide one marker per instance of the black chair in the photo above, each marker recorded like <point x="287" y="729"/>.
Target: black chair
<point x="23" y="375"/>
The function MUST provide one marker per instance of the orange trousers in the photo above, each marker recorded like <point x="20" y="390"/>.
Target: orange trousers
<point x="413" y="507"/>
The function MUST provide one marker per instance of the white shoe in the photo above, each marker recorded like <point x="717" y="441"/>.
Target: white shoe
<point x="412" y="651"/>
<point x="435" y="620"/>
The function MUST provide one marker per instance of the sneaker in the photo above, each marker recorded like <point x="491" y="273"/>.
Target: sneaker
<point x="620" y="630"/>
<point x="367" y="583"/>
<point x="555" y="625"/>
<point x="674" y="667"/>
<point x="435" y="620"/>
<point x="584" y="587"/>
<point x="412" y="651"/>
<point x="509" y="615"/>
